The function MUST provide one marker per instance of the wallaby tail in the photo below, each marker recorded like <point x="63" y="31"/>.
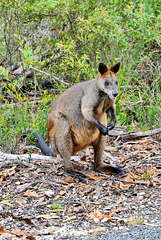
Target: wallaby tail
<point x="42" y="145"/>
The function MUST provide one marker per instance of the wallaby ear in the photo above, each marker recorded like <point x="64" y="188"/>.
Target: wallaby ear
<point x="115" y="68"/>
<point x="102" y="68"/>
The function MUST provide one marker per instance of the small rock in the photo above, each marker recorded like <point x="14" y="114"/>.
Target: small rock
<point x="96" y="220"/>
<point x="49" y="193"/>
<point x="141" y="193"/>
<point x="104" y="220"/>
<point x="140" y="198"/>
<point x="1" y="208"/>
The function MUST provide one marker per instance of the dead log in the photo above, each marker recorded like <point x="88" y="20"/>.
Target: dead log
<point x="133" y="134"/>
<point x="25" y="157"/>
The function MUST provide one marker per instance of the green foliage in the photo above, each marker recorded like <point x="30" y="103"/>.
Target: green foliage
<point x="19" y="118"/>
<point x="72" y="37"/>
<point x="136" y="221"/>
<point x="14" y="85"/>
<point x="146" y="176"/>
<point x="57" y="207"/>
<point x="8" y="207"/>
<point x="140" y="106"/>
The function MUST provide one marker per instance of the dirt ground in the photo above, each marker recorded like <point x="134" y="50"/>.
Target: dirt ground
<point x="39" y="201"/>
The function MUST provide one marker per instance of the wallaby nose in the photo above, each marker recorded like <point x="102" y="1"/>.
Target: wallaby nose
<point x="114" y="94"/>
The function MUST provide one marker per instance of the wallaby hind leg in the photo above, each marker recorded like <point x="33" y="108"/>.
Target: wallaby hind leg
<point x="60" y="138"/>
<point x="62" y="141"/>
<point x="99" y="146"/>
<point x="64" y="147"/>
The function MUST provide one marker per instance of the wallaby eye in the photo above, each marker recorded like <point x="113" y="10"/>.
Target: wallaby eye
<point x="116" y="82"/>
<point x="106" y="84"/>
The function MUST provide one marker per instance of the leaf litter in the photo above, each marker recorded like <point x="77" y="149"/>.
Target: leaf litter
<point x="39" y="200"/>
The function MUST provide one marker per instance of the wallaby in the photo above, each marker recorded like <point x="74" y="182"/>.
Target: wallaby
<point x="78" y="119"/>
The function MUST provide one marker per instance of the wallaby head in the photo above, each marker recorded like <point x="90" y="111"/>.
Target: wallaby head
<point x="108" y="81"/>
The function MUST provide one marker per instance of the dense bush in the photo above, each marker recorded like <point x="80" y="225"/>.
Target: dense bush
<point x="70" y="38"/>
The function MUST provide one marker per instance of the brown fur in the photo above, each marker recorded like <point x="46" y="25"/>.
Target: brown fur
<point x="78" y="117"/>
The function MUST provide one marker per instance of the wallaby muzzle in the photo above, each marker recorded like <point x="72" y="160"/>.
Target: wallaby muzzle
<point x="114" y="94"/>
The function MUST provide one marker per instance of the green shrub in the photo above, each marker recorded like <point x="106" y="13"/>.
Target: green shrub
<point x="71" y="38"/>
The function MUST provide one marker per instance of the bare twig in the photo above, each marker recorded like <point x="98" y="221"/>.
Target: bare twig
<point x="113" y="159"/>
<point x="61" y="81"/>
<point x="138" y="182"/>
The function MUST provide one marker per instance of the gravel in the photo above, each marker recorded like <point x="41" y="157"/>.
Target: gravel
<point x="129" y="233"/>
<point x="135" y="232"/>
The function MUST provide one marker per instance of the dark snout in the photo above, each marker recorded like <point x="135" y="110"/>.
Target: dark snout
<point x="114" y="94"/>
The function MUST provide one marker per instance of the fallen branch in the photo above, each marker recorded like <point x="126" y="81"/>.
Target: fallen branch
<point x="25" y="157"/>
<point x="132" y="134"/>
<point x="56" y="78"/>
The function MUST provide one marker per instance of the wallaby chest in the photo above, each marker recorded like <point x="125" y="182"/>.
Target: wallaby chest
<point x="102" y="105"/>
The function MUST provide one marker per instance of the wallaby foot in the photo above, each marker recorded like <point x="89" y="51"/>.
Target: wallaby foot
<point x="110" y="170"/>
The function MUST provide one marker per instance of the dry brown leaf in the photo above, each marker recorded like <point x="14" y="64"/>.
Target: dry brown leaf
<point x="18" y="233"/>
<point x="128" y="178"/>
<point x="134" y="176"/>
<point x="44" y="164"/>
<point x="61" y="182"/>
<point x="62" y="192"/>
<point x="94" y="178"/>
<point x="69" y="210"/>
<point x="151" y="171"/>
<point x="125" y="186"/>
<point x="69" y="180"/>
<point x="157" y="180"/>
<point x="30" y="238"/>
<point x="99" y="215"/>
<point x="21" y="202"/>
<point x="108" y="216"/>
<point x="6" y="202"/>
<point x="119" y="201"/>
<point x="96" y="203"/>
<point x="106" y="197"/>
<point x="116" y="186"/>
<point x="79" y="209"/>
<point x="3" y="178"/>
<point x="143" y="141"/>
<point x="9" y="172"/>
<point x="58" y="196"/>
<point x="54" y="229"/>
<point x="87" y="191"/>
<point x="3" y="231"/>
<point x="51" y="170"/>
<point x="29" y="193"/>
<point x="21" y="146"/>
<point x="117" y="210"/>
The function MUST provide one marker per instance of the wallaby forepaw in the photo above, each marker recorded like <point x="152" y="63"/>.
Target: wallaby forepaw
<point x="103" y="130"/>
<point x="110" y="126"/>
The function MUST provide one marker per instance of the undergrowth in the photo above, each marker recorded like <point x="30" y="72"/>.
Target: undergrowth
<point x="68" y="39"/>
<point x="17" y="118"/>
